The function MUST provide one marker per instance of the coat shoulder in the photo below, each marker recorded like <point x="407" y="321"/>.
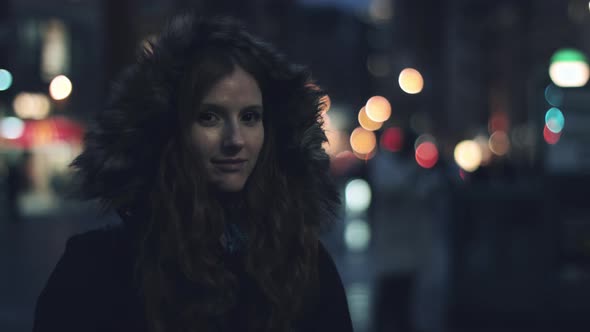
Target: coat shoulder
<point x="97" y="241"/>
<point x="82" y="283"/>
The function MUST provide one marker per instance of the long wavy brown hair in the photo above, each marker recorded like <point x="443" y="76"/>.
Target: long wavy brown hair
<point x="139" y="157"/>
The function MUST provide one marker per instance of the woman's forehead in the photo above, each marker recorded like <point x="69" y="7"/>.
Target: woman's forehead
<point x="238" y="87"/>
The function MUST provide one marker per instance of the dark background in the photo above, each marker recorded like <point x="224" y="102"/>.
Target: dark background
<point x="505" y="248"/>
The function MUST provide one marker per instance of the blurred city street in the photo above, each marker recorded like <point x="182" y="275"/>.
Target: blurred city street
<point x="457" y="132"/>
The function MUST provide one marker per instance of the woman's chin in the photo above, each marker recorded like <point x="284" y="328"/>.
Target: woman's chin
<point x="229" y="186"/>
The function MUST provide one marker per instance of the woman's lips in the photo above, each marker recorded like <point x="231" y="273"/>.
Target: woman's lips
<point x="229" y="165"/>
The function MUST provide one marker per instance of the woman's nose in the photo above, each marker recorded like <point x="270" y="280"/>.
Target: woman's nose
<point x="233" y="138"/>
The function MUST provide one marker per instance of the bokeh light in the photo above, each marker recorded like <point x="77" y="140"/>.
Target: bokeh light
<point x="554" y="95"/>
<point x="359" y="296"/>
<point x="499" y="143"/>
<point x="498" y="122"/>
<point x="5" y="79"/>
<point x="60" y="87"/>
<point x="362" y="141"/>
<point x="426" y="155"/>
<point x="569" y="68"/>
<point x="550" y="137"/>
<point x="366" y="122"/>
<point x="378" y="109"/>
<point x="424" y="138"/>
<point x="31" y="105"/>
<point x="411" y="81"/>
<point x="554" y="120"/>
<point x="392" y="139"/>
<point x="357" y="196"/>
<point x="11" y="127"/>
<point x="468" y="155"/>
<point x="357" y="235"/>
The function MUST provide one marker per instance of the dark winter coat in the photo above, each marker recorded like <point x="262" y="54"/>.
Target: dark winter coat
<point x="91" y="289"/>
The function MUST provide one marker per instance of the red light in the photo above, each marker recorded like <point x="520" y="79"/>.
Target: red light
<point x="551" y="137"/>
<point x="498" y="122"/>
<point x="392" y="139"/>
<point x="426" y="154"/>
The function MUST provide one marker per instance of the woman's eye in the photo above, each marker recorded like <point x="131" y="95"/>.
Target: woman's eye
<point x="207" y="118"/>
<point x="251" y="117"/>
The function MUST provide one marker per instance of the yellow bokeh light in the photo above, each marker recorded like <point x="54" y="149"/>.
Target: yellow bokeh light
<point x="411" y="81"/>
<point x="31" y="105"/>
<point x="378" y="109"/>
<point x="362" y="141"/>
<point x="366" y="122"/>
<point x="60" y="87"/>
<point x="468" y="155"/>
<point x="499" y="143"/>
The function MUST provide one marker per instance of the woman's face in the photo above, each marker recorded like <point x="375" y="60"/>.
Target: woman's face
<point x="228" y="132"/>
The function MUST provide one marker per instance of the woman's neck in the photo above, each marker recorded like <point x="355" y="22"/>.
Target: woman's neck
<point x="230" y="201"/>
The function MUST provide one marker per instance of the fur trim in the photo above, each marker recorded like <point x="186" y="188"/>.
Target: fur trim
<point x="123" y="147"/>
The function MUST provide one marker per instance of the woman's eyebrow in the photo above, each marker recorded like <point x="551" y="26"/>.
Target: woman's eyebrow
<point x="221" y="109"/>
<point x="254" y="108"/>
<point x="212" y="107"/>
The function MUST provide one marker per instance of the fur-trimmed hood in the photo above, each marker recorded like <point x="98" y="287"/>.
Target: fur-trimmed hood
<point x="123" y="146"/>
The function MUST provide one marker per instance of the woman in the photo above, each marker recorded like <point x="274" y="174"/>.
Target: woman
<point x="211" y="152"/>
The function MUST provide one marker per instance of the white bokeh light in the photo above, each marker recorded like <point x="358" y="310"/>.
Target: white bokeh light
<point x="60" y="87"/>
<point x="11" y="127"/>
<point x="357" y="235"/>
<point x="357" y="195"/>
<point x="569" y="74"/>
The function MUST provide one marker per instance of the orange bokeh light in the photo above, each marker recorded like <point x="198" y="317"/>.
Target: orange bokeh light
<point x="362" y="141"/>
<point x="411" y="81"/>
<point x="378" y="109"/>
<point x="366" y="122"/>
<point x="499" y="143"/>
